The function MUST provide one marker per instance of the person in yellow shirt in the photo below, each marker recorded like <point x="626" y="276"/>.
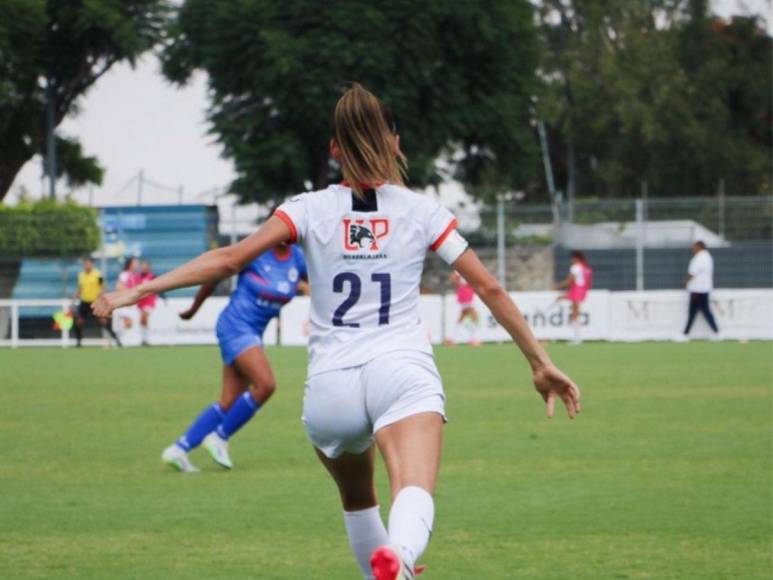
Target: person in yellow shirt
<point x="90" y="286"/>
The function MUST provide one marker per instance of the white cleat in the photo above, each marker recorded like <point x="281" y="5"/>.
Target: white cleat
<point x="680" y="338"/>
<point x="177" y="458"/>
<point x="218" y="449"/>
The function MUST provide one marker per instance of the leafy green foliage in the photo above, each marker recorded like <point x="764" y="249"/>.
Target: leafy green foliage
<point x="72" y="44"/>
<point x="78" y="168"/>
<point x="658" y="91"/>
<point x="459" y="77"/>
<point x="47" y="228"/>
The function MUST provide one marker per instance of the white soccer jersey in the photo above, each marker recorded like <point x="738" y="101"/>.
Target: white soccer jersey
<point x="578" y="272"/>
<point x="365" y="260"/>
<point x="701" y="269"/>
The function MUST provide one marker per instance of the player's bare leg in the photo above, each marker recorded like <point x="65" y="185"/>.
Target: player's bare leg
<point x="411" y="449"/>
<point x="575" y="320"/>
<point x="107" y="325"/>
<point x="253" y="364"/>
<point x="234" y="385"/>
<point x="473" y="315"/>
<point x="144" y="326"/>
<point x="253" y="367"/>
<point x="79" y="321"/>
<point x="353" y="474"/>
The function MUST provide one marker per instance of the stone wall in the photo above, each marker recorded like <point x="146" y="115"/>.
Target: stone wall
<point x="527" y="268"/>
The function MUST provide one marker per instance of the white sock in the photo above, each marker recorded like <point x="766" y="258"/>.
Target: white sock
<point x="576" y="328"/>
<point x="473" y="331"/>
<point x="458" y="331"/>
<point x="145" y="332"/>
<point x="410" y="522"/>
<point x="366" y="532"/>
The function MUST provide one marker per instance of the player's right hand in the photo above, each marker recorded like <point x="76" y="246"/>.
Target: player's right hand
<point x="551" y="383"/>
<point x="187" y="314"/>
<point x="109" y="301"/>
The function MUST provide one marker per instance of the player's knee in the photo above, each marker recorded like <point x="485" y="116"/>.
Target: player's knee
<point x="262" y="390"/>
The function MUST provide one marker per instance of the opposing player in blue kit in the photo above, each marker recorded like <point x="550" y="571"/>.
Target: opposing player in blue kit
<point x="264" y="286"/>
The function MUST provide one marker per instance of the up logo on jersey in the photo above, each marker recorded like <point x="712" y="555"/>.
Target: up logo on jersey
<point x="360" y="233"/>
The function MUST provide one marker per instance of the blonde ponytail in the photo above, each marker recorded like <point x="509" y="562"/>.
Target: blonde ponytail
<point x="369" y="151"/>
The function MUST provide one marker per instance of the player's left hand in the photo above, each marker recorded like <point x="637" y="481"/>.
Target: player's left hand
<point x="551" y="384"/>
<point x="109" y="301"/>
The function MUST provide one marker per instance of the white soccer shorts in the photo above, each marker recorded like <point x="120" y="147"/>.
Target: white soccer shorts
<point x="342" y="409"/>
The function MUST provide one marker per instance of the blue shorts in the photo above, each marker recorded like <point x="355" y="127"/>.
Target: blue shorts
<point x="234" y="339"/>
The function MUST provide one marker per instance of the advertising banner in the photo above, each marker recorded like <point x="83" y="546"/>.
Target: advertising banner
<point x="662" y="315"/>
<point x="166" y="326"/>
<point x="548" y="317"/>
<point x="617" y="316"/>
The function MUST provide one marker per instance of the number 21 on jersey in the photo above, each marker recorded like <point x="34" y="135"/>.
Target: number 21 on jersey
<point x="355" y="291"/>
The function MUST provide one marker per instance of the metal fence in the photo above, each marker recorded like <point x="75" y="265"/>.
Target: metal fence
<point x="633" y="244"/>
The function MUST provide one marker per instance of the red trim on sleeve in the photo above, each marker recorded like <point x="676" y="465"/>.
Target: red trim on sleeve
<point x="446" y="232"/>
<point x="289" y="223"/>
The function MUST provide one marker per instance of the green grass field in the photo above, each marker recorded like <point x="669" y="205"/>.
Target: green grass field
<point x="667" y="474"/>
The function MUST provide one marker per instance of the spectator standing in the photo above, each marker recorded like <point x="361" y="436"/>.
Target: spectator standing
<point x="90" y="286"/>
<point x="700" y="284"/>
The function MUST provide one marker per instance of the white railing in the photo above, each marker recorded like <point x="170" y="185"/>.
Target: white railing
<point x="613" y="316"/>
<point x="14" y="306"/>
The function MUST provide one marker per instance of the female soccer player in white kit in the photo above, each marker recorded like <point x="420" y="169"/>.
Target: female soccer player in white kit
<point x="371" y="371"/>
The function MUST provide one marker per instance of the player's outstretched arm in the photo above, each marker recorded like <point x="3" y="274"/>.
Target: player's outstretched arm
<point x="209" y="266"/>
<point x="549" y="381"/>
<point x="204" y="292"/>
<point x="565" y="283"/>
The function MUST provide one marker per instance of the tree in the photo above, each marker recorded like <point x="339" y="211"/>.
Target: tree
<point x="42" y="229"/>
<point x="658" y="91"/>
<point x="69" y="44"/>
<point x="47" y="229"/>
<point x="459" y="77"/>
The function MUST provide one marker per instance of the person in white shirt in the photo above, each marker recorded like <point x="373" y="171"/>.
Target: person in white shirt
<point x="700" y="283"/>
<point x="372" y="376"/>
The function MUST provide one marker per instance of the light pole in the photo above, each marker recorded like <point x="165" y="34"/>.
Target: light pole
<point x="50" y="137"/>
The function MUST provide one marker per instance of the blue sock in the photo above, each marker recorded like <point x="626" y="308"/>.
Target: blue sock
<point x="204" y="424"/>
<point x="242" y="411"/>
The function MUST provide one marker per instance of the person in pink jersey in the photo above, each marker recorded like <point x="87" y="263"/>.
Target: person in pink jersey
<point x="578" y="282"/>
<point x="465" y="297"/>
<point x="128" y="278"/>
<point x="147" y="304"/>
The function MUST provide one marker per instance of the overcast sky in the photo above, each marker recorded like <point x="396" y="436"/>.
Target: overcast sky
<point x="134" y="120"/>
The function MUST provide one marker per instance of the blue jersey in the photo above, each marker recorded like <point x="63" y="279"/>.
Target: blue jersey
<point x="267" y="284"/>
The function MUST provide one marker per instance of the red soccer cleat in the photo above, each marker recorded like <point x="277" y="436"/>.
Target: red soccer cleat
<point x="386" y="564"/>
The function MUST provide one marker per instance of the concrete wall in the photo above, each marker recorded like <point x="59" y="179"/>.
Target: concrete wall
<point x="742" y="265"/>
<point x="527" y="268"/>
<point x="533" y="268"/>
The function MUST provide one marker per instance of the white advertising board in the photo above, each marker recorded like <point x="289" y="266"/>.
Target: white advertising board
<point x="166" y="326"/>
<point x="547" y="316"/>
<point x="615" y="316"/>
<point x="662" y="315"/>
